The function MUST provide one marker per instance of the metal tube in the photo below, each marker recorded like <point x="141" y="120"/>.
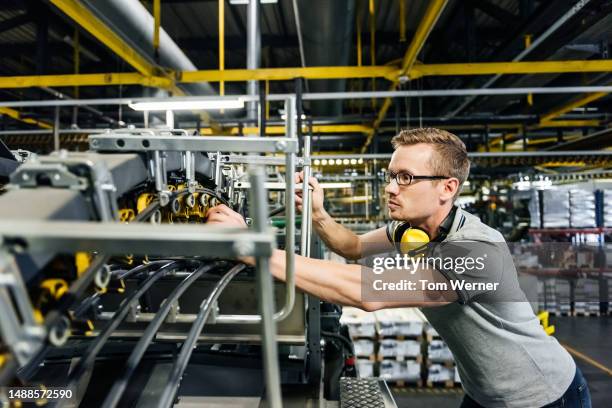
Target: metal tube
<point x="289" y="215"/>
<point x="56" y="125"/>
<point x="307" y="96"/>
<point x="475" y="155"/>
<point x="306" y="200"/>
<point x="265" y="292"/>
<point x="132" y="22"/>
<point x="253" y="54"/>
<point x="572" y="12"/>
<point x="298" y="25"/>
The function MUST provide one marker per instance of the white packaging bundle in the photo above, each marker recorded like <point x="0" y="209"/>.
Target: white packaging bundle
<point x="365" y="368"/>
<point x="551" y="302"/>
<point x="431" y="332"/>
<point x="607" y="208"/>
<point x="591" y="295"/>
<point x="400" y="370"/>
<point x="363" y="347"/>
<point x="582" y="208"/>
<point x="399" y="348"/>
<point x="439" y="373"/>
<point x="399" y="322"/>
<point x="360" y="323"/>
<point x="534" y="210"/>
<point x="563" y="296"/>
<point x="438" y="352"/>
<point x="556" y="208"/>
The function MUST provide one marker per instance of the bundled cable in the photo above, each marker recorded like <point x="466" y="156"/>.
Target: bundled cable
<point x="80" y="375"/>
<point x="114" y="396"/>
<point x="179" y="366"/>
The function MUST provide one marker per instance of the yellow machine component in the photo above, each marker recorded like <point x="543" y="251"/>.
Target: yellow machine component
<point x="55" y="287"/>
<point x="413" y="238"/>
<point x="543" y="317"/>
<point x="126" y="214"/>
<point x="90" y="327"/>
<point x="82" y="261"/>
<point x="38" y="316"/>
<point x="143" y="202"/>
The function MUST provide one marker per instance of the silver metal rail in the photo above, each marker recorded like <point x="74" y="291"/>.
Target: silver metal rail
<point x="141" y="239"/>
<point x="289" y="186"/>
<point x="306" y="200"/>
<point x="129" y="142"/>
<point x="265" y="290"/>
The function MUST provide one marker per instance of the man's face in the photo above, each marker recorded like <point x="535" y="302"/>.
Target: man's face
<point x="420" y="199"/>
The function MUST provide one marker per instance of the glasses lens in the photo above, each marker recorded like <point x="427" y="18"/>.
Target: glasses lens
<point x="404" y="179"/>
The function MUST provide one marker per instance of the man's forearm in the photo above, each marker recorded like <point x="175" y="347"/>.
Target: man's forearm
<point x="335" y="283"/>
<point x="339" y="239"/>
<point x="342" y="284"/>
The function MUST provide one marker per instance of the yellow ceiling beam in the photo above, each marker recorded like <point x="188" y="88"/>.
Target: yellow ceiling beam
<point x="86" y="19"/>
<point x="432" y="13"/>
<point x="280" y="130"/>
<point x="118" y="78"/>
<point x="567" y="123"/>
<point x="526" y="67"/>
<point x="285" y="74"/>
<point x="389" y="72"/>
<point x="15" y="114"/>
<point x="568" y="107"/>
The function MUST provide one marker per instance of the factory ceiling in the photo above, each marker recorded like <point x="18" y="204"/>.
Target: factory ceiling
<point x="41" y="38"/>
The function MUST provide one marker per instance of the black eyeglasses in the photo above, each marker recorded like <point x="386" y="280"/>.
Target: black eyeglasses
<point x="405" y="179"/>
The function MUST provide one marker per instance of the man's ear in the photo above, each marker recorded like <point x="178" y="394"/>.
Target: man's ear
<point x="451" y="186"/>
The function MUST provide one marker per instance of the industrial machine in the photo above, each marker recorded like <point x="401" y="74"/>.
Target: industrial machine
<point x="106" y="301"/>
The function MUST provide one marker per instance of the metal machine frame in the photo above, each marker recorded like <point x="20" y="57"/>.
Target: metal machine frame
<point x="25" y="337"/>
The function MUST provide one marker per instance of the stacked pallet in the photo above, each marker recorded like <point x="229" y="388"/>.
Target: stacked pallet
<point x="440" y="363"/>
<point x="399" y="346"/>
<point x="400" y="334"/>
<point x="362" y="329"/>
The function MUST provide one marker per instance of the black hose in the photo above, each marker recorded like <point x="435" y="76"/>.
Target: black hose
<point x="344" y="340"/>
<point x="79" y="377"/>
<point x="179" y="366"/>
<point x="114" y="396"/>
<point x="202" y="190"/>
<point x="276" y="211"/>
<point x="147" y="212"/>
<point x="141" y="268"/>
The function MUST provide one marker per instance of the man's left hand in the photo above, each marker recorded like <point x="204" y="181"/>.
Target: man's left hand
<point x="225" y="216"/>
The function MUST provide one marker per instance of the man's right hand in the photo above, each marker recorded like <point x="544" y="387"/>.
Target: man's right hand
<point x="317" y="194"/>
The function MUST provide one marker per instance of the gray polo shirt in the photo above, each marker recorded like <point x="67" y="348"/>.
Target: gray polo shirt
<point x="503" y="355"/>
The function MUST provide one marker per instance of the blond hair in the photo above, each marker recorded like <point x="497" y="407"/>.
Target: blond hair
<point x="450" y="158"/>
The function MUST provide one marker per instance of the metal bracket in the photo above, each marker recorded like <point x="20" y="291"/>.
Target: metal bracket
<point x="18" y="329"/>
<point x="59" y="171"/>
<point x="36" y="174"/>
<point x="133" y="313"/>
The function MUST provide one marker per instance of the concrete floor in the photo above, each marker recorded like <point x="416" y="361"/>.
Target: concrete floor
<point x="590" y="336"/>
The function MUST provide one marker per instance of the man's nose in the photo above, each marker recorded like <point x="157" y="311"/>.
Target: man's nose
<point x="392" y="188"/>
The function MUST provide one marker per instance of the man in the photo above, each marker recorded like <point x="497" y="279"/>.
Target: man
<point x="504" y="357"/>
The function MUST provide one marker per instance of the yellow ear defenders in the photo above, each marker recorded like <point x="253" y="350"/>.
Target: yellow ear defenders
<point x="412" y="240"/>
<point x="409" y="240"/>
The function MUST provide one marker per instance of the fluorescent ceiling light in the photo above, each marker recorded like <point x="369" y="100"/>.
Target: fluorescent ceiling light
<point x="335" y="185"/>
<point x="205" y="104"/>
<point x="239" y="2"/>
